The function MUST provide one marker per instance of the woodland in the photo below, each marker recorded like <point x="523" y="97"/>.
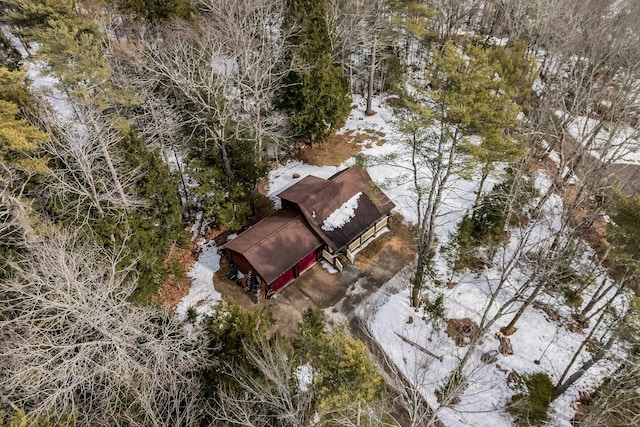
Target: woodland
<point x="121" y="121"/>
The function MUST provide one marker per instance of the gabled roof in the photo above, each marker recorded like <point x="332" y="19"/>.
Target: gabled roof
<point x="301" y="189"/>
<point x="317" y="199"/>
<point x="276" y="244"/>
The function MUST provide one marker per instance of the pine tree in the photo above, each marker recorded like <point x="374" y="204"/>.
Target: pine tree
<point x="158" y="222"/>
<point x="33" y="15"/>
<point x="226" y="197"/>
<point x="148" y="230"/>
<point x="18" y="139"/>
<point x="465" y="96"/>
<point x="159" y="10"/>
<point x="314" y="94"/>
<point x="624" y="233"/>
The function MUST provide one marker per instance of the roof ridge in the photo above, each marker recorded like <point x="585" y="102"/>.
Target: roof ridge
<point x="289" y="220"/>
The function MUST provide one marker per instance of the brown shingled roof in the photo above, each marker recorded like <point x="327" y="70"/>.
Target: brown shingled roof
<point x="301" y="189"/>
<point x="276" y="244"/>
<point x="317" y="200"/>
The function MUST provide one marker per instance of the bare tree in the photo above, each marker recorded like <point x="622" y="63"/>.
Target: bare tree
<point x="502" y="18"/>
<point x="88" y="175"/>
<point x="277" y="395"/>
<point x="277" y="390"/>
<point x="226" y="68"/>
<point x="616" y="401"/>
<point x="72" y="345"/>
<point x="360" y="33"/>
<point x="450" y="16"/>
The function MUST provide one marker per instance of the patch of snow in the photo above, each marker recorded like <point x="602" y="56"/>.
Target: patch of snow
<point x="304" y="374"/>
<point x="14" y="41"/>
<point x="292" y="172"/>
<point x="539" y="345"/>
<point x="343" y="215"/>
<point x="609" y="142"/>
<point x="202" y="294"/>
<point x="542" y="182"/>
<point x="330" y="268"/>
<point x="197" y="224"/>
<point x="42" y="81"/>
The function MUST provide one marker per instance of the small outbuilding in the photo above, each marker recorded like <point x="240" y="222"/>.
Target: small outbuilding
<point x="320" y="218"/>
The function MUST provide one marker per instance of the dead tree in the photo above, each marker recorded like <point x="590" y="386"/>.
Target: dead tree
<point x="71" y="343"/>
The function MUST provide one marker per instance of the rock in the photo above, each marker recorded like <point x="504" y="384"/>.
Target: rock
<point x="513" y="377"/>
<point x="489" y="357"/>
<point x="462" y="331"/>
<point x="505" y="347"/>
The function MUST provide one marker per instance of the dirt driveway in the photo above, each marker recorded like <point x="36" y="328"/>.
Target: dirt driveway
<point x="335" y="293"/>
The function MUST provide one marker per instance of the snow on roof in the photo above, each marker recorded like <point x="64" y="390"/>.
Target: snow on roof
<point x="342" y="215"/>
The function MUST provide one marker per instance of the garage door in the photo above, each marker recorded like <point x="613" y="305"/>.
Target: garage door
<point x="307" y="262"/>
<point x="282" y="280"/>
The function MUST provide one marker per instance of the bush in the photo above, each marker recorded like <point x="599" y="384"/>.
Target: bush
<point x="530" y="406"/>
<point x="435" y="310"/>
<point x="449" y="393"/>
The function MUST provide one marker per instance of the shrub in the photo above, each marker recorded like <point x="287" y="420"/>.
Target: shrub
<point x="435" y="310"/>
<point x="530" y="406"/>
<point x="449" y="393"/>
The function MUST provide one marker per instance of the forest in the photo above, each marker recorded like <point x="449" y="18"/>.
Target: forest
<point x="506" y="132"/>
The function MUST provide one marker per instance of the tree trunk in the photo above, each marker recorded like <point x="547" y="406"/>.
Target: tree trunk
<point x="483" y="178"/>
<point x="597" y="296"/>
<point x="522" y="309"/>
<point x="372" y="70"/>
<point x="226" y="163"/>
<point x="114" y="173"/>
<point x="562" y="387"/>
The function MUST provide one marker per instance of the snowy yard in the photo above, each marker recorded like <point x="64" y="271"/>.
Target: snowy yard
<point x="539" y="344"/>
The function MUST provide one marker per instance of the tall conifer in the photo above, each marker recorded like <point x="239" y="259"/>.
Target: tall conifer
<point x="314" y="94"/>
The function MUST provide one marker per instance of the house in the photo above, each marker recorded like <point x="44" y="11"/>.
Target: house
<point x="320" y="218"/>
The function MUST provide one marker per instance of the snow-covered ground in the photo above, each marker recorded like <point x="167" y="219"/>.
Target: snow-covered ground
<point x="617" y="145"/>
<point x="41" y="80"/>
<point x="202" y="296"/>
<point x="539" y="344"/>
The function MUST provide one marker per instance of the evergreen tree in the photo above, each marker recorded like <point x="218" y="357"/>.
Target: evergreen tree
<point x="624" y="232"/>
<point x="465" y="96"/>
<point x="314" y="94"/>
<point x="159" y="10"/>
<point x="229" y="330"/>
<point x="18" y="139"/>
<point x="258" y="377"/>
<point x="34" y="15"/>
<point x="148" y="230"/>
<point x="343" y="372"/>
<point x="20" y="159"/>
<point x="226" y="195"/>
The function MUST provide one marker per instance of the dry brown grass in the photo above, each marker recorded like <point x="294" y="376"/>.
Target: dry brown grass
<point x="338" y="148"/>
<point x="396" y="244"/>
<point x="175" y="288"/>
